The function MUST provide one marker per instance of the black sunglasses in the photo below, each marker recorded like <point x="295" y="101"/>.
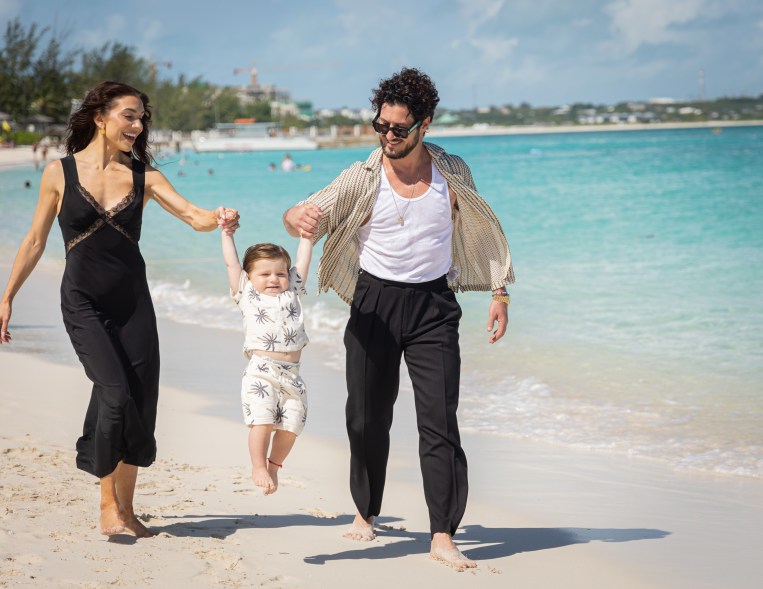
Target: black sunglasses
<point x="399" y="132"/>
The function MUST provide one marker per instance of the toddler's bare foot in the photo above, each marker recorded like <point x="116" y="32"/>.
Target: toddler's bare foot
<point x="361" y="530"/>
<point x="273" y="472"/>
<point x="445" y="551"/>
<point x="261" y="478"/>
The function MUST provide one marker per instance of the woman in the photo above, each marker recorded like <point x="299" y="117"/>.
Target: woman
<point x="98" y="193"/>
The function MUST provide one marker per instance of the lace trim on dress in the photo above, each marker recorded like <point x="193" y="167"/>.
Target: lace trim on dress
<point x="117" y="208"/>
<point x="106" y="216"/>
<point x="93" y="228"/>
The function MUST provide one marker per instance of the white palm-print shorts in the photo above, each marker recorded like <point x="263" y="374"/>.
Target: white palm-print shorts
<point x="273" y="393"/>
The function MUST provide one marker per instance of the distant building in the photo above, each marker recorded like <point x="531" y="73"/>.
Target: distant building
<point x="446" y="119"/>
<point x="262" y="93"/>
<point x="689" y="110"/>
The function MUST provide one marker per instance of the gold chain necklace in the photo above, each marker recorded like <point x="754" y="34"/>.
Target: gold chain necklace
<point x="401" y="216"/>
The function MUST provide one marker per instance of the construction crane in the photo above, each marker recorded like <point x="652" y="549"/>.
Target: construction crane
<point x="152" y="65"/>
<point x="253" y="70"/>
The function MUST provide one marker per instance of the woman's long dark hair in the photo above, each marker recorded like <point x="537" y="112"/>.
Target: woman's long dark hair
<point x="100" y="99"/>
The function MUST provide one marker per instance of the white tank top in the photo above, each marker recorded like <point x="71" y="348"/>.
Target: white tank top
<point x="419" y="248"/>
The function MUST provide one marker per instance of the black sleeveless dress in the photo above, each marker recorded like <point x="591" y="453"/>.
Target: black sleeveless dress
<point x="110" y="320"/>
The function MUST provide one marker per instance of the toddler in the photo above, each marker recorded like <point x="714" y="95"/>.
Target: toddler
<point x="273" y="396"/>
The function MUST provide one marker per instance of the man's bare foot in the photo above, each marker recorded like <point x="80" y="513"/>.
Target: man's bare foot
<point x="273" y="472"/>
<point x="134" y="526"/>
<point x="445" y="551"/>
<point x="261" y="478"/>
<point x="111" y="521"/>
<point x="361" y="530"/>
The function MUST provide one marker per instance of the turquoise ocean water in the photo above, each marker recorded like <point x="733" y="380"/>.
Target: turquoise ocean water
<point x="636" y="323"/>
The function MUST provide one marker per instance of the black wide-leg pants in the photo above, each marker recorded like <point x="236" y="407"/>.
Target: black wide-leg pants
<point x="389" y="320"/>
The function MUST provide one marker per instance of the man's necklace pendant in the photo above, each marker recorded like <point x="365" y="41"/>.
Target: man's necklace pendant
<point x="399" y="219"/>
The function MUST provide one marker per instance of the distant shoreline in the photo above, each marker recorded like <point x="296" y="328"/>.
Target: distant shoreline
<point x="483" y="130"/>
<point x="480" y="130"/>
<point x="11" y="157"/>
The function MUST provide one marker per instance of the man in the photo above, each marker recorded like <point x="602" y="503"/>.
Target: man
<point x="406" y="228"/>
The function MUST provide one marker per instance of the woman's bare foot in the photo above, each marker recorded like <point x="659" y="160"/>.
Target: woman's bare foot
<point x="361" y="530"/>
<point x="261" y="478"/>
<point x="445" y="551"/>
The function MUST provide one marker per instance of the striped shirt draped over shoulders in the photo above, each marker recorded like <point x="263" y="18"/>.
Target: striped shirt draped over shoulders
<point x="481" y="257"/>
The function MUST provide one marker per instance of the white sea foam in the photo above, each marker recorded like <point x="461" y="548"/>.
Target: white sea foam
<point x="183" y="303"/>
<point x="528" y="408"/>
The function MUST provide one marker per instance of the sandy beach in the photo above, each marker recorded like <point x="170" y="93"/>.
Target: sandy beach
<point x="539" y="515"/>
<point x="11" y="157"/>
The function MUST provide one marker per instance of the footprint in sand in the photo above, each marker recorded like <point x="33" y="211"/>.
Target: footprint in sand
<point x="315" y="512"/>
<point x="15" y="565"/>
<point x="225" y="567"/>
<point x="290" y="482"/>
<point x="281" y="582"/>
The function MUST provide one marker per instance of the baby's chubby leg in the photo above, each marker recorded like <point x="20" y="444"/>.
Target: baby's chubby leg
<point x="259" y="442"/>
<point x="283" y="442"/>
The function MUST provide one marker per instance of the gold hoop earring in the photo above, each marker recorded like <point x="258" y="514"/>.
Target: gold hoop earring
<point x="102" y="130"/>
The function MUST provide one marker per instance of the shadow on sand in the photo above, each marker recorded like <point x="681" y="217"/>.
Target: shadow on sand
<point x="222" y="526"/>
<point x="481" y="543"/>
<point x="476" y="541"/>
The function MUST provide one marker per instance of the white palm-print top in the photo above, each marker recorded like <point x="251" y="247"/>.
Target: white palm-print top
<point x="272" y="324"/>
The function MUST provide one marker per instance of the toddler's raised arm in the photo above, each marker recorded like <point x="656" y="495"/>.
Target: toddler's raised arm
<point x="304" y="255"/>
<point x="232" y="263"/>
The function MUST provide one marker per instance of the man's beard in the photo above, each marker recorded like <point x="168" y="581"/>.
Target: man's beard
<point x="400" y="153"/>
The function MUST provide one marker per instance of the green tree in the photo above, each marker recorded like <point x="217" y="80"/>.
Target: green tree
<point x="225" y="106"/>
<point x="259" y="110"/>
<point x="185" y="106"/>
<point x="53" y="78"/>
<point x="116" y="62"/>
<point x="17" y="68"/>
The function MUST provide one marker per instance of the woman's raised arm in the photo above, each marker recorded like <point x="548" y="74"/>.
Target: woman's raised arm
<point x="162" y="191"/>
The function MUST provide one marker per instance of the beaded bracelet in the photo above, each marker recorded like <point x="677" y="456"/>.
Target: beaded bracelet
<point x="502" y="297"/>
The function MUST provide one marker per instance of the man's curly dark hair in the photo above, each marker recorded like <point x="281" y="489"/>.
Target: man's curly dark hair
<point x="410" y="87"/>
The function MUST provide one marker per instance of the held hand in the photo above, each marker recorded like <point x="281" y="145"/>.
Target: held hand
<point x="5" y="317"/>
<point x="227" y="219"/>
<point x="498" y="312"/>
<point x="305" y="219"/>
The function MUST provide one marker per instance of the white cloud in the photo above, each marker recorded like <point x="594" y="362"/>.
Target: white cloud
<point x="638" y="22"/>
<point x="359" y="20"/>
<point x="152" y="31"/>
<point x="494" y="49"/>
<point x="530" y="72"/>
<point x="477" y="12"/>
<point x="113" y="27"/>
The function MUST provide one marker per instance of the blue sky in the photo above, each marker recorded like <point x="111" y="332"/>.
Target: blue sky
<point x="478" y="52"/>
